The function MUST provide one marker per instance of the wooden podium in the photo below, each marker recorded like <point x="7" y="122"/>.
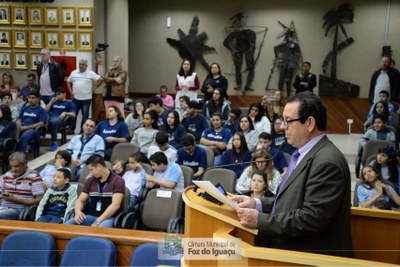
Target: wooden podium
<point x="204" y="219"/>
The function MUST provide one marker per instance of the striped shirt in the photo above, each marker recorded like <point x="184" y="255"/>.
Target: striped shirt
<point x="27" y="186"/>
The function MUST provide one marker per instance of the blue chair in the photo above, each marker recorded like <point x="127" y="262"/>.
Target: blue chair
<point x="28" y="248"/>
<point x="147" y="255"/>
<point x="89" y="251"/>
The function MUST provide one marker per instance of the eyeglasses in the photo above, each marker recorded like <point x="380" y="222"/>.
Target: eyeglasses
<point x="287" y="122"/>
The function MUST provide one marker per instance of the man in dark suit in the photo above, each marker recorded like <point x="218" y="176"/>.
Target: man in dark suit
<point x="311" y="212"/>
<point x="3" y="14"/>
<point x="4" y="38"/>
<point x="4" y="60"/>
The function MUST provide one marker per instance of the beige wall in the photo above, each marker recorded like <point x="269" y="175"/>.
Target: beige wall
<point x="153" y="62"/>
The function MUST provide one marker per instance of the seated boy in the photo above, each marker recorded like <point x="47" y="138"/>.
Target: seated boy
<point x="58" y="200"/>
<point x="162" y="145"/>
<point x="135" y="177"/>
<point x="165" y="175"/>
<point x="193" y="156"/>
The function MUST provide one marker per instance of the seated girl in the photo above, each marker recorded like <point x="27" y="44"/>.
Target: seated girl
<point x="175" y="130"/>
<point x="216" y="104"/>
<point x="259" y="185"/>
<point x="62" y="159"/>
<point x="119" y="167"/>
<point x="387" y="164"/>
<point x="375" y="193"/>
<point x="146" y="135"/>
<point x="135" y="119"/>
<point x="238" y="154"/>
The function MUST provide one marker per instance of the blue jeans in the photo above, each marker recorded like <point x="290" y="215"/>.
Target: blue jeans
<point x="50" y="219"/>
<point x="89" y="220"/>
<point x="46" y="98"/>
<point x="55" y="123"/>
<point x="24" y="140"/>
<point x="132" y="202"/>
<point x="83" y="106"/>
<point x="9" y="213"/>
<point x="217" y="159"/>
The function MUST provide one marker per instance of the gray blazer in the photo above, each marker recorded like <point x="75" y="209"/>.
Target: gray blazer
<point x="312" y="213"/>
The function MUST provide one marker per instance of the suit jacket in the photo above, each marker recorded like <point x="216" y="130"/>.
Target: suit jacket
<point x="56" y="73"/>
<point x="312" y="212"/>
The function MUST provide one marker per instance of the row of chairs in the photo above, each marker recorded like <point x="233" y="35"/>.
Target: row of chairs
<point x="33" y="248"/>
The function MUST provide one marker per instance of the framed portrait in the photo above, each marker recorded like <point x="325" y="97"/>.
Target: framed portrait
<point x="20" y="38"/>
<point x="21" y="61"/>
<point x="85" y="16"/>
<point x="18" y="15"/>
<point x="85" y="40"/>
<point x="68" y="16"/>
<point x="5" y="16"/>
<point x="35" y="60"/>
<point x="53" y="39"/>
<point x="5" y="38"/>
<point x="5" y="60"/>
<point x="51" y="17"/>
<point x="35" y="15"/>
<point x="68" y="40"/>
<point x="36" y="39"/>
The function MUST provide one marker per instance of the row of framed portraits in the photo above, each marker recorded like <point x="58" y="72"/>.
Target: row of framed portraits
<point x="19" y="60"/>
<point x="48" y="16"/>
<point x="69" y="40"/>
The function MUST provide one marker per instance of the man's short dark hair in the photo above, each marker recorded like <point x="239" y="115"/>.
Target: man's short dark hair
<point x="155" y="100"/>
<point x="384" y="92"/>
<point x="193" y="104"/>
<point x="188" y="140"/>
<point x="159" y="158"/>
<point x="164" y="87"/>
<point x="95" y="160"/>
<point x="308" y="63"/>
<point x="382" y="117"/>
<point x="66" y="172"/>
<point x="237" y="112"/>
<point x="310" y="105"/>
<point x="265" y="136"/>
<point x="138" y="157"/>
<point x="6" y="94"/>
<point x="34" y="92"/>
<point x="162" y="137"/>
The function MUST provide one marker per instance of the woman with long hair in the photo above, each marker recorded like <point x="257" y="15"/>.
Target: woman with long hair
<point x="216" y="104"/>
<point x="214" y="80"/>
<point x="113" y="130"/>
<point x="247" y="128"/>
<point x="135" y="119"/>
<point x="8" y="128"/>
<point x="146" y="135"/>
<point x="239" y="153"/>
<point x="387" y="164"/>
<point x="175" y="130"/>
<point x="187" y="83"/>
<point x="261" y="161"/>
<point x="261" y="123"/>
<point x="273" y="105"/>
<point x="7" y="82"/>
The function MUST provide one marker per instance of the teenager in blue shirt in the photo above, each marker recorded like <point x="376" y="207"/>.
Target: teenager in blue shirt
<point x="31" y="116"/>
<point x="175" y="130"/>
<point x="155" y="103"/>
<point x="60" y="110"/>
<point x="216" y="137"/>
<point x="194" y="123"/>
<point x="193" y="156"/>
<point x="114" y="130"/>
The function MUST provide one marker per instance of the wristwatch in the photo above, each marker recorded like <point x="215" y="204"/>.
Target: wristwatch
<point x="96" y="222"/>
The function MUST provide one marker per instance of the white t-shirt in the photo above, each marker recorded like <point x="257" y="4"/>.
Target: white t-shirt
<point x="82" y="83"/>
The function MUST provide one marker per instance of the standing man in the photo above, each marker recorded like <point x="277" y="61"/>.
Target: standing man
<point x="101" y="196"/>
<point x="311" y="211"/>
<point x="385" y="79"/>
<point x="60" y="110"/>
<point x="114" y="91"/>
<point x="81" y="85"/>
<point x="31" y="116"/>
<point x="306" y="81"/>
<point x="20" y="187"/>
<point x="51" y="76"/>
<point x="82" y="146"/>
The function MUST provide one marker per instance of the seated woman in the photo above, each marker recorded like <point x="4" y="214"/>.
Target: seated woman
<point x="375" y="193"/>
<point x="8" y="128"/>
<point x="216" y="137"/>
<point x="175" y="130"/>
<point x="113" y="130"/>
<point x="146" y="135"/>
<point x="262" y="161"/>
<point x="387" y="164"/>
<point x="216" y="104"/>
<point x="273" y="105"/>
<point x="62" y="159"/>
<point x="7" y="82"/>
<point x="260" y="122"/>
<point x="135" y="119"/>
<point x="379" y="131"/>
<point x="251" y="135"/>
<point x="238" y="154"/>
<point x="259" y="185"/>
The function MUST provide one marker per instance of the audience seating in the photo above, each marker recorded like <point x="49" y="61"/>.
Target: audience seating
<point x="9" y="147"/>
<point x="85" y="172"/>
<point x="370" y="148"/>
<point x="89" y="251"/>
<point x="28" y="248"/>
<point x="71" y="166"/>
<point x="147" y="255"/>
<point x="224" y="177"/>
<point x="210" y="156"/>
<point x="187" y="175"/>
<point x="122" y="151"/>
<point x="40" y="134"/>
<point x="65" y="128"/>
<point x="147" y="168"/>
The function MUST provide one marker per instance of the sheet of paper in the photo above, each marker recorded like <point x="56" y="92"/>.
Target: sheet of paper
<point x="213" y="191"/>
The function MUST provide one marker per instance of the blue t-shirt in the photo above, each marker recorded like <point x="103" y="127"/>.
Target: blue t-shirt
<point x="104" y="129"/>
<point x="29" y="115"/>
<point x="175" y="136"/>
<point x="238" y="168"/>
<point x="279" y="160"/>
<point x="198" y="159"/>
<point x="59" y="107"/>
<point x="172" y="173"/>
<point x="222" y="136"/>
<point x="162" y="119"/>
<point x="195" y="125"/>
